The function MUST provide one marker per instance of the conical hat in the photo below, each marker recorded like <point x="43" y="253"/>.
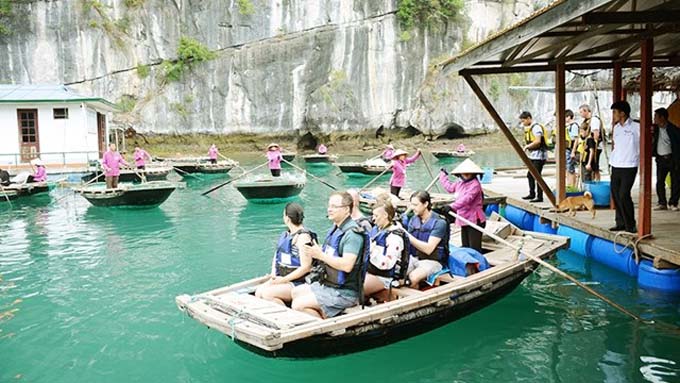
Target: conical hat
<point x="37" y="162"/>
<point x="467" y="167"/>
<point x="273" y="144"/>
<point x="398" y="153"/>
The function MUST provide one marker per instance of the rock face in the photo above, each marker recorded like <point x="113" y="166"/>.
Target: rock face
<point x="281" y="66"/>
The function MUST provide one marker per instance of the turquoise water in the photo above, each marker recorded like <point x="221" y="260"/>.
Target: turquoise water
<point x="93" y="292"/>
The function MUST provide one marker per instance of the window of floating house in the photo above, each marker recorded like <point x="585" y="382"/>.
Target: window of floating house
<point x="60" y="113"/>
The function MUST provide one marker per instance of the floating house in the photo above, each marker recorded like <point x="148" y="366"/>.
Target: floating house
<point x="51" y="122"/>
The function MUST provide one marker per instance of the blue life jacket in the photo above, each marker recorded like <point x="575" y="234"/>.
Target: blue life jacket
<point x="288" y="255"/>
<point x="422" y="232"/>
<point x="340" y="279"/>
<point x="379" y="237"/>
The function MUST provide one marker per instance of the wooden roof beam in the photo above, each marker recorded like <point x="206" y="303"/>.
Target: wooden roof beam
<point x="574" y="33"/>
<point x="637" y="17"/>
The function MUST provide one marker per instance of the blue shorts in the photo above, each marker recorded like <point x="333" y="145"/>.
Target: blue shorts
<point x="571" y="164"/>
<point x="333" y="301"/>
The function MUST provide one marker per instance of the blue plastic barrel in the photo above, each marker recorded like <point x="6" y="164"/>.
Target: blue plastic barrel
<point x="520" y="218"/>
<point x="543" y="227"/>
<point x="602" y="251"/>
<point x="492" y="208"/>
<point x="601" y="191"/>
<point x="659" y="279"/>
<point x="488" y="176"/>
<point x="579" y="241"/>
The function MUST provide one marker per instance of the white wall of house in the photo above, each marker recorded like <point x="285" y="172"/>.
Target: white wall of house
<point x="70" y="140"/>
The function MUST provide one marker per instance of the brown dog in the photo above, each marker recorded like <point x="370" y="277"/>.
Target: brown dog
<point x="574" y="203"/>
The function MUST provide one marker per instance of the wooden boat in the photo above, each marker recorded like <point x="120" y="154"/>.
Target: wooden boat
<point x="267" y="188"/>
<point x="452" y="153"/>
<point x="366" y="167"/>
<point x="289" y="156"/>
<point x="278" y="331"/>
<point x="133" y="175"/>
<point x="29" y="188"/>
<point x="8" y="195"/>
<point x="367" y="199"/>
<point x="151" y="193"/>
<point x="221" y="167"/>
<point x="319" y="158"/>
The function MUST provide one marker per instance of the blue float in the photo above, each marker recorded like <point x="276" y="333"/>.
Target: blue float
<point x="659" y="279"/>
<point x="618" y="258"/>
<point x="488" y="176"/>
<point x="543" y="227"/>
<point x="601" y="191"/>
<point x="491" y="209"/>
<point x="520" y="218"/>
<point x="579" y="241"/>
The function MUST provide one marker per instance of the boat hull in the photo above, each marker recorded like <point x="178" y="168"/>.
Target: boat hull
<point x="263" y="191"/>
<point x="131" y="197"/>
<point x="361" y="169"/>
<point x="28" y="189"/>
<point x="318" y="158"/>
<point x="288" y="157"/>
<point x="204" y="168"/>
<point x="452" y="154"/>
<point x="370" y="336"/>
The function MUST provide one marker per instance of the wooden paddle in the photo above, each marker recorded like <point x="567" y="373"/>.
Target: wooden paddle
<point x="376" y="177"/>
<point x="429" y="170"/>
<point x="6" y="196"/>
<point x="548" y="266"/>
<point x="311" y="175"/>
<point x="187" y="173"/>
<point x="233" y="179"/>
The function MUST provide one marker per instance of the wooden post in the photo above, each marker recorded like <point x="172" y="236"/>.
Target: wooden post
<point x="511" y="139"/>
<point x="646" y="90"/>
<point x="560" y="145"/>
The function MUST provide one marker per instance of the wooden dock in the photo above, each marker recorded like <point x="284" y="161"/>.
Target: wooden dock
<point x="663" y="248"/>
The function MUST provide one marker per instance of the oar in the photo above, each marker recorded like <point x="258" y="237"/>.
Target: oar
<point x="549" y="267"/>
<point x="85" y="184"/>
<point x="429" y="171"/>
<point x="429" y="186"/>
<point x="187" y="173"/>
<point x="311" y="175"/>
<point x="376" y="177"/>
<point x="233" y="179"/>
<point x="6" y="196"/>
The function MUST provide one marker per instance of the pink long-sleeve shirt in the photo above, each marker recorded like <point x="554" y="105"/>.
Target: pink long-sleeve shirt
<point x="212" y="152"/>
<point x="399" y="170"/>
<point x="274" y="157"/>
<point x="40" y="174"/>
<point x="111" y="163"/>
<point x="469" y="198"/>
<point x="140" y="157"/>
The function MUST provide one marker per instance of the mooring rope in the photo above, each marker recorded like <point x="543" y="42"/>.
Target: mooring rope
<point x="633" y="244"/>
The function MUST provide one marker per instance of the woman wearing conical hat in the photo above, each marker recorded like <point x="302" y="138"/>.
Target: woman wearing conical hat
<point x="399" y="163"/>
<point x="40" y="174"/>
<point x="274" y="157"/>
<point x="468" y="200"/>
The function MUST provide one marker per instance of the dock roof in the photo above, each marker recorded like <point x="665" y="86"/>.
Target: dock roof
<point x="47" y="93"/>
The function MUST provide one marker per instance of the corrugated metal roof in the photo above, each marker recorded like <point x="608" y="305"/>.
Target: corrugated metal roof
<point x="38" y="92"/>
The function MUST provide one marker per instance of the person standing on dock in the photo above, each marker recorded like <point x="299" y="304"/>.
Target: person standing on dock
<point x="212" y="154"/>
<point x="40" y="174"/>
<point x="535" y="145"/>
<point x="572" y="144"/>
<point x="468" y="201"/>
<point x="342" y="257"/>
<point x="666" y="149"/>
<point x="624" y="161"/>
<point x="140" y="156"/>
<point x="274" y="157"/>
<point x="597" y="129"/>
<point x="587" y="152"/>
<point x="399" y="163"/>
<point x="111" y="163"/>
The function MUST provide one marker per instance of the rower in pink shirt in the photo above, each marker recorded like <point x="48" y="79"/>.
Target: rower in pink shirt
<point x="140" y="157"/>
<point x="212" y="153"/>
<point x="399" y="164"/>
<point x="322" y="149"/>
<point x="40" y="174"/>
<point x="274" y="157"/>
<point x="388" y="152"/>
<point x="111" y="163"/>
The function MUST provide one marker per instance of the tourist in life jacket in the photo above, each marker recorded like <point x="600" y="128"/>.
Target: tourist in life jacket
<point x="363" y="221"/>
<point x="399" y="163"/>
<point x="388" y="259"/>
<point x="111" y="163"/>
<point x="535" y="145"/>
<point x="40" y="174"/>
<point x="388" y="152"/>
<point x="428" y="235"/>
<point x="274" y="157"/>
<point x="322" y="149"/>
<point x="468" y="201"/>
<point x="587" y="151"/>
<point x="140" y="156"/>
<point x="597" y="129"/>
<point x="290" y="264"/>
<point x="212" y="154"/>
<point x="341" y="257"/>
<point x="572" y="132"/>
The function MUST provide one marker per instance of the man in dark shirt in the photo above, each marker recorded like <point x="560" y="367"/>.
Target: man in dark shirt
<point x="4" y="177"/>
<point x="666" y="149"/>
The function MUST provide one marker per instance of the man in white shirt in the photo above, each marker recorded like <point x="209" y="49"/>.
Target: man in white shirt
<point x="597" y="129"/>
<point x="537" y="151"/>
<point x="624" y="161"/>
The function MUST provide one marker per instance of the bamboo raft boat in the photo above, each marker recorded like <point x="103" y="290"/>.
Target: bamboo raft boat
<point x="319" y="158"/>
<point x="8" y="195"/>
<point x="149" y="194"/>
<point x="29" y="188"/>
<point x="452" y="153"/>
<point x="278" y="331"/>
<point x="270" y="189"/>
<point x="367" y="199"/>
<point x="201" y="166"/>
<point x="133" y="175"/>
<point x="371" y="167"/>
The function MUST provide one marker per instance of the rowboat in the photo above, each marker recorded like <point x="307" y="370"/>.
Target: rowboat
<point x="265" y="189"/>
<point x="6" y="195"/>
<point x="133" y="175"/>
<point x="149" y="194"/>
<point x="289" y="156"/>
<point x="452" y="153"/>
<point x="29" y="188"/>
<point x="319" y="158"/>
<point x="367" y="199"/>
<point x="370" y="167"/>
<point x="221" y="167"/>
<point x="278" y="331"/>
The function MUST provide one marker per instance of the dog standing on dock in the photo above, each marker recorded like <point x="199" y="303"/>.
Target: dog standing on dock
<point x="574" y="203"/>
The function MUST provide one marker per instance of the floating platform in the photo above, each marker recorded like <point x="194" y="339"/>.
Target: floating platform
<point x="267" y="189"/>
<point x="147" y="194"/>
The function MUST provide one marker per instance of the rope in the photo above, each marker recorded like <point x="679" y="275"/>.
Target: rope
<point x="633" y="244"/>
<point x="231" y="322"/>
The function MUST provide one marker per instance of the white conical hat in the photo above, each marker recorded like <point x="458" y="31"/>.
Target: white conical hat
<point x="399" y="152"/>
<point x="37" y="162"/>
<point x="467" y="167"/>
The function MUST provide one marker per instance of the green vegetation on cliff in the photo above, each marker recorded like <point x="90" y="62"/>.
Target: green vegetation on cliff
<point x="189" y="51"/>
<point x="428" y="13"/>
